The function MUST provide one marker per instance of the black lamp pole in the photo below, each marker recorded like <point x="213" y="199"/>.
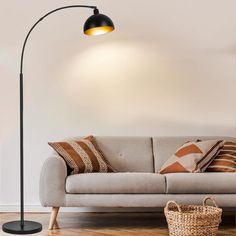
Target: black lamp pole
<point x="95" y="25"/>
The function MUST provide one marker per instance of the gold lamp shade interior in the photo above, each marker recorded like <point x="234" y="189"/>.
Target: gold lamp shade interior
<point x="99" y="30"/>
<point x="98" y="24"/>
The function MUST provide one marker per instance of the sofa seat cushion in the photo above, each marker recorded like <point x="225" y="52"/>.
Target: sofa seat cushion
<point x="201" y="183"/>
<point x="116" y="183"/>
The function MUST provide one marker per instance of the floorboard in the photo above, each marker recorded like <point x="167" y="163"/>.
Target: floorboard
<point x="114" y="224"/>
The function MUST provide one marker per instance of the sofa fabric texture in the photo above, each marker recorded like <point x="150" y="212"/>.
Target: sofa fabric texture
<point x="143" y="187"/>
<point x="52" y="182"/>
<point x="199" y="183"/>
<point x="143" y="200"/>
<point x="128" y="154"/>
<point x="116" y="183"/>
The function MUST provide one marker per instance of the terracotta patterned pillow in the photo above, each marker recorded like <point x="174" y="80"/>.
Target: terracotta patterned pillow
<point x="82" y="156"/>
<point x="192" y="157"/>
<point x="225" y="161"/>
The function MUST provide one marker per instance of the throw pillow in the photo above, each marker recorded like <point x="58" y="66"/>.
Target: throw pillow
<point x="82" y="156"/>
<point x="192" y="157"/>
<point x="225" y="161"/>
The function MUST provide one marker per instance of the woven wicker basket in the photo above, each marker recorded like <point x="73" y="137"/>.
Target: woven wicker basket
<point x="186" y="220"/>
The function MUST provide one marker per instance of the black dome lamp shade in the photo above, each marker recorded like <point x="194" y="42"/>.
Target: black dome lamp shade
<point x="98" y="24"/>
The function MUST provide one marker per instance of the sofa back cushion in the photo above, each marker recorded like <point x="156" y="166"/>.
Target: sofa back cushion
<point x="128" y="154"/>
<point x="165" y="147"/>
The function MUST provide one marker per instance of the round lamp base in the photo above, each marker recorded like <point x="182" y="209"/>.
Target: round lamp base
<point x="14" y="227"/>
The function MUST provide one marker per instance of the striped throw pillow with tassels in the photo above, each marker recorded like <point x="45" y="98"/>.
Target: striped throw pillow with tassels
<point x="82" y="156"/>
<point x="225" y="161"/>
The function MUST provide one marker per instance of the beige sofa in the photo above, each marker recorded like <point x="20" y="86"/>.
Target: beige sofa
<point x="137" y="183"/>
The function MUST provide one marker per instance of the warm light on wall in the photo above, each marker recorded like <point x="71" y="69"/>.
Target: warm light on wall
<point x="131" y="80"/>
<point x="126" y="77"/>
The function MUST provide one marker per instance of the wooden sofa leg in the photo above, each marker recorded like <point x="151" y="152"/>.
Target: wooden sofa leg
<point x="53" y="217"/>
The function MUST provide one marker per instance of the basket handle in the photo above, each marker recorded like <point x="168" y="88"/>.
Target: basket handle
<point x="209" y="198"/>
<point x="174" y="203"/>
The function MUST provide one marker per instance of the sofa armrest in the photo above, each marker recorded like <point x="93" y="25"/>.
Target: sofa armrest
<point x="52" y="182"/>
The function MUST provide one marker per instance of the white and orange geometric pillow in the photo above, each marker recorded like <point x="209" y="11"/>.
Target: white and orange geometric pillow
<point x="192" y="157"/>
<point x="225" y="161"/>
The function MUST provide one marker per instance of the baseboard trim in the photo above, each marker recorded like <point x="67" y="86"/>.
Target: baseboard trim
<point x="40" y="209"/>
<point x="28" y="208"/>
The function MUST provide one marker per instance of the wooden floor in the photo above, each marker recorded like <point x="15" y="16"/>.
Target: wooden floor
<point x="104" y="224"/>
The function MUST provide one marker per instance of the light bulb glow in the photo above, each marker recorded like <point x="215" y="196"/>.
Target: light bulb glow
<point x="99" y="30"/>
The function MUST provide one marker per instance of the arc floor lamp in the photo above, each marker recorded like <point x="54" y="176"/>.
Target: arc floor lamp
<point x="95" y="25"/>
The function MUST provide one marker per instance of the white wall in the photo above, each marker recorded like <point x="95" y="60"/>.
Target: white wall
<point x="168" y="69"/>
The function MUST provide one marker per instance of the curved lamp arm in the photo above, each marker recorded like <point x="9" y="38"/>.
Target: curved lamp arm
<point x="43" y="17"/>
<point x="21" y="103"/>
